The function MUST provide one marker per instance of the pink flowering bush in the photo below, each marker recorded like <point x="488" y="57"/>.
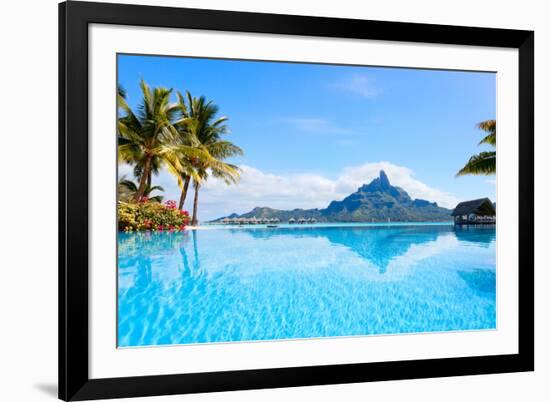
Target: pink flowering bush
<point x="170" y="204"/>
<point x="144" y="215"/>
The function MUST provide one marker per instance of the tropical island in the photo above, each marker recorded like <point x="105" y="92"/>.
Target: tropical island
<point x="377" y="201"/>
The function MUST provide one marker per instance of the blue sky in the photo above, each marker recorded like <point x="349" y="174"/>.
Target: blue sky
<point x="327" y="128"/>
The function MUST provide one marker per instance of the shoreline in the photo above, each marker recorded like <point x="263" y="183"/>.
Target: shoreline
<point x="317" y="225"/>
<point x="349" y="225"/>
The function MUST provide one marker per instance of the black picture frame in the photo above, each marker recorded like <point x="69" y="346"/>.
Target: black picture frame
<point x="74" y="381"/>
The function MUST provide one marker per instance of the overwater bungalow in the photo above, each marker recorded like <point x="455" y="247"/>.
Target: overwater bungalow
<point x="292" y="220"/>
<point x="302" y="220"/>
<point x="475" y="212"/>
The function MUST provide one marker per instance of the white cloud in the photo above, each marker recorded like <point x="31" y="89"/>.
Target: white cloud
<point x="303" y="190"/>
<point x="358" y="84"/>
<point x="257" y="188"/>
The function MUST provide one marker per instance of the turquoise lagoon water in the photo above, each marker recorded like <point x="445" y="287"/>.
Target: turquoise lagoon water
<point x="259" y="283"/>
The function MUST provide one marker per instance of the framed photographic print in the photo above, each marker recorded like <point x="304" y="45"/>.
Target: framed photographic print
<point x="257" y="200"/>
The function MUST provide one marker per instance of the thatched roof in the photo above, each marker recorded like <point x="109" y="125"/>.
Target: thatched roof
<point x="481" y="206"/>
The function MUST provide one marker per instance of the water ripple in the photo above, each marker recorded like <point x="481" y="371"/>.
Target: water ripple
<point x="263" y="284"/>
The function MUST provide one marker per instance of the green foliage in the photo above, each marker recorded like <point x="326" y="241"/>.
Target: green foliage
<point x="490" y="127"/>
<point x="484" y="163"/>
<point x="150" y="216"/>
<point x="127" y="190"/>
<point x="147" y="138"/>
<point x="201" y="128"/>
<point x="184" y="137"/>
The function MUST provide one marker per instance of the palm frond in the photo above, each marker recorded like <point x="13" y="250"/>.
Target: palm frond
<point x="490" y="139"/>
<point x="489" y="126"/>
<point x="121" y="91"/>
<point x="156" y="198"/>
<point x="155" y="188"/>
<point x="129" y="184"/>
<point x="483" y="163"/>
<point x="224" y="149"/>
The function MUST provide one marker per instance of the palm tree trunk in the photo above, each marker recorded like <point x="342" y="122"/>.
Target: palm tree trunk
<point x="194" y="220"/>
<point x="149" y="179"/>
<point x="143" y="179"/>
<point x="184" y="191"/>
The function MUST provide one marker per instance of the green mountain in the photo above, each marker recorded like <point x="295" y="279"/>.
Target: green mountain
<point x="377" y="201"/>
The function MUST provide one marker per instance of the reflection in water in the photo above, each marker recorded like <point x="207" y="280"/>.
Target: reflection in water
<point x="258" y="283"/>
<point x="376" y="244"/>
<point x="482" y="235"/>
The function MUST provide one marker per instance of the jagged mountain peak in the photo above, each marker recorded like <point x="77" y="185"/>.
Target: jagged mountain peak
<point x="383" y="178"/>
<point x="381" y="183"/>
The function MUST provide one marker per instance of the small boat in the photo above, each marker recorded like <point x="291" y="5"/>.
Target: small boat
<point x="272" y="226"/>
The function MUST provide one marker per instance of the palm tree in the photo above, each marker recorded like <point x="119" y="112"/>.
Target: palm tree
<point x="127" y="190"/>
<point x="484" y="163"/>
<point x="186" y="137"/>
<point x="148" y="138"/>
<point x="203" y="130"/>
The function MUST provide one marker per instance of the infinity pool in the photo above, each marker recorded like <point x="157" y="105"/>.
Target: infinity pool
<point x="259" y="283"/>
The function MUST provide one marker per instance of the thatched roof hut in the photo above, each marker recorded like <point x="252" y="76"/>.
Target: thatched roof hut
<point x="292" y="220"/>
<point x="481" y="210"/>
